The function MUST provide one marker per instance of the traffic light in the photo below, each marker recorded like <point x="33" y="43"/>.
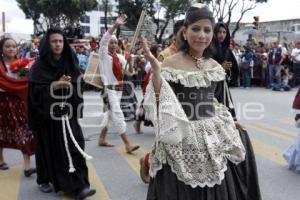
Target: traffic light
<point x="256" y="22"/>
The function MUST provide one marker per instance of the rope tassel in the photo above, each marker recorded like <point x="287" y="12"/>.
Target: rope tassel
<point x="65" y="122"/>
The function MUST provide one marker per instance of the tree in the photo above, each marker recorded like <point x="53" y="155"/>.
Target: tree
<point x="107" y="8"/>
<point x="134" y="8"/>
<point x="171" y="11"/>
<point x="223" y="10"/>
<point x="51" y="13"/>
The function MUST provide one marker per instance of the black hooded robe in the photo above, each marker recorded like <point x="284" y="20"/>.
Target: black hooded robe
<point x="224" y="53"/>
<point x="51" y="156"/>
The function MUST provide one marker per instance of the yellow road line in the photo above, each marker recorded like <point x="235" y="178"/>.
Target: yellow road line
<point x="287" y="120"/>
<point x="276" y="132"/>
<point x="133" y="159"/>
<point x="96" y="183"/>
<point x="10" y="183"/>
<point x="269" y="152"/>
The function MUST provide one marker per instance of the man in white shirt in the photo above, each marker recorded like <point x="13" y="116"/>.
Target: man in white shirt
<point x="112" y="76"/>
<point x="296" y="62"/>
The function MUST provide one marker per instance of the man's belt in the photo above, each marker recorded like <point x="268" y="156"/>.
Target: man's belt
<point x="114" y="87"/>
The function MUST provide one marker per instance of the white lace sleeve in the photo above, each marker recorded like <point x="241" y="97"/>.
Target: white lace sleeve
<point x="168" y="117"/>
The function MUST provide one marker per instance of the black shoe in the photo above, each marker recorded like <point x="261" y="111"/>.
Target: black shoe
<point x="86" y="192"/>
<point x="29" y="172"/>
<point x="45" y="187"/>
<point x="4" y="166"/>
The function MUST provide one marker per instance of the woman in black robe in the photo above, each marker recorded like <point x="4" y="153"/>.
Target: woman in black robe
<point x="55" y="91"/>
<point x="250" y="185"/>
<point x="224" y="55"/>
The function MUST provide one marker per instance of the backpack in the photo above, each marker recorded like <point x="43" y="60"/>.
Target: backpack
<point x="245" y="64"/>
<point x="246" y="61"/>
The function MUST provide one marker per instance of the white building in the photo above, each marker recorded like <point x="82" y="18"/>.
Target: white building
<point x="93" y="22"/>
<point x="287" y="30"/>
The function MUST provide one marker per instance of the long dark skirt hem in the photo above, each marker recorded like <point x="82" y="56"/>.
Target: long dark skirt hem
<point x="240" y="182"/>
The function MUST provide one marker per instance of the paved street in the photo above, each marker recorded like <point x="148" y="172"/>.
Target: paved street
<point x="266" y="114"/>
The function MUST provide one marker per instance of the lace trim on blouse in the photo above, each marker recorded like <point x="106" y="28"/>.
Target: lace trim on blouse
<point x="197" y="151"/>
<point x="212" y="71"/>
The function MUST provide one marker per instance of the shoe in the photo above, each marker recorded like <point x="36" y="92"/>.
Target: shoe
<point x="86" y="192"/>
<point x="45" y="187"/>
<point x="144" y="174"/>
<point x="4" y="166"/>
<point x="132" y="149"/>
<point x="29" y="172"/>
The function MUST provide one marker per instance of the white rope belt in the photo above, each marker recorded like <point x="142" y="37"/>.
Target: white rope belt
<point x="65" y="121"/>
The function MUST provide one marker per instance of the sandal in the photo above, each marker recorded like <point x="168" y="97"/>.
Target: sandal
<point x="105" y="144"/>
<point x="4" y="166"/>
<point x="132" y="149"/>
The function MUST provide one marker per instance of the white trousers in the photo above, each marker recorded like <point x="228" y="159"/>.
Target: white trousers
<point x="114" y="114"/>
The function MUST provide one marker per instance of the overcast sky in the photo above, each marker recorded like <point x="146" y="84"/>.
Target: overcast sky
<point x="273" y="10"/>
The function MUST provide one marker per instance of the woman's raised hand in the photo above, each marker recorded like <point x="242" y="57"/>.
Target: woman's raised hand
<point x="155" y="64"/>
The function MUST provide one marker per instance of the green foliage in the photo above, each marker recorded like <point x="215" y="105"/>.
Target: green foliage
<point x="133" y="9"/>
<point x="56" y="11"/>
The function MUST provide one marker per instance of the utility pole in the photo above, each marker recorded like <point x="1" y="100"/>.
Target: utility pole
<point x="3" y="22"/>
<point x="257" y="27"/>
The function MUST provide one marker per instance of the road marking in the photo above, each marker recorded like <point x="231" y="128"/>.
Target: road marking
<point x="133" y="159"/>
<point x="96" y="183"/>
<point x="287" y="120"/>
<point x="276" y="132"/>
<point x="268" y="151"/>
<point x="10" y="183"/>
<point x="262" y="149"/>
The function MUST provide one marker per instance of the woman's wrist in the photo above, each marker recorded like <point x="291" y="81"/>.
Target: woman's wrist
<point x="115" y="25"/>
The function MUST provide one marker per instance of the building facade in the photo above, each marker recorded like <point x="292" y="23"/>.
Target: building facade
<point x="93" y="23"/>
<point x="286" y="30"/>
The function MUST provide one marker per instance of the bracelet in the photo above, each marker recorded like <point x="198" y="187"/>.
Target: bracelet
<point x="157" y="96"/>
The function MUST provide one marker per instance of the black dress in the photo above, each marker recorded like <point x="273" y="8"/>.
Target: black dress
<point x="45" y="121"/>
<point x="240" y="180"/>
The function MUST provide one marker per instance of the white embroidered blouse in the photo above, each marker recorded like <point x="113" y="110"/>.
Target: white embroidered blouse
<point x="196" y="150"/>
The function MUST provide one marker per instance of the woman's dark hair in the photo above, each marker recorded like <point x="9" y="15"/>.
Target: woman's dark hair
<point x="195" y="13"/>
<point x="154" y="48"/>
<point x="121" y="45"/>
<point x="226" y="42"/>
<point x="2" y="42"/>
<point x="178" y="24"/>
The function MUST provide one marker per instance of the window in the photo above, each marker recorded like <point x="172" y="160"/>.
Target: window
<point x="110" y="20"/>
<point x="298" y="28"/>
<point x="86" y="29"/>
<point x="293" y="29"/>
<point x="85" y="19"/>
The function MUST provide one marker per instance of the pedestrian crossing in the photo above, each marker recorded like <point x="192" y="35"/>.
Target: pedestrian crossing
<point x="96" y="183"/>
<point x="10" y="183"/>
<point x="10" y="179"/>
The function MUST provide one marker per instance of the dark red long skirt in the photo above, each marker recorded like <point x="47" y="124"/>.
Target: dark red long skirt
<point x="14" y="130"/>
